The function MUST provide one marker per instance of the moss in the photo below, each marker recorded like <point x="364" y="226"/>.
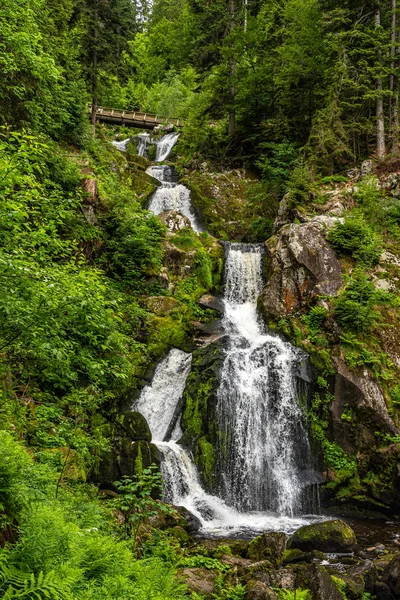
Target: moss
<point x="199" y="420"/>
<point x="205" y="459"/>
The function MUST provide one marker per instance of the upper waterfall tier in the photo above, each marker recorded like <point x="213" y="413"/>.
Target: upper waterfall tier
<point x="172" y="195"/>
<point x="264" y="454"/>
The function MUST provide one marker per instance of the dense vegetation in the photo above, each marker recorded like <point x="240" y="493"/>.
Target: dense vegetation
<point x="289" y="94"/>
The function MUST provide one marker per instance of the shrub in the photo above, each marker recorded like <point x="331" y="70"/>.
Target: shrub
<point x="354" y="308"/>
<point x="355" y="238"/>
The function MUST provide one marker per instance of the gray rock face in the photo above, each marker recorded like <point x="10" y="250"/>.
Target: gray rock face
<point x="174" y="220"/>
<point x="391" y="575"/>
<point x="361" y="394"/>
<point x="303" y="266"/>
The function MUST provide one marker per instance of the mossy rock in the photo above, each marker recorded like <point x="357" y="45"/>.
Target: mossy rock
<point x="199" y="420"/>
<point x="181" y="535"/>
<point x="294" y="556"/>
<point x="161" y="305"/>
<point x="331" y="536"/>
<point x="135" y="426"/>
<point x="256" y="590"/>
<point x="269" y="546"/>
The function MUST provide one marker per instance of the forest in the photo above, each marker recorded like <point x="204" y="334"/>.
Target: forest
<point x="260" y="309"/>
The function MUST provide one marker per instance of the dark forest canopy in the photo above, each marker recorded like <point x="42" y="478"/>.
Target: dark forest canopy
<point x="322" y="75"/>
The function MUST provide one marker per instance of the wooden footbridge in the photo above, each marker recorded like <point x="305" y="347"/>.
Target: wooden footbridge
<point x="128" y="118"/>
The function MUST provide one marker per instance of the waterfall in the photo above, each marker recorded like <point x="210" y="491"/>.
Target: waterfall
<point x="158" y="402"/>
<point x="264" y="454"/>
<point x="172" y="195"/>
<point x="165" y="145"/>
<point x="143" y="142"/>
<point x="121" y="146"/>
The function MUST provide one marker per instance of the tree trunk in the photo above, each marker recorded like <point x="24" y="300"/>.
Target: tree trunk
<point x="94" y="93"/>
<point x="246" y="8"/>
<point x="394" y="83"/>
<point x="380" y="115"/>
<point x="232" y="90"/>
<point x="94" y="77"/>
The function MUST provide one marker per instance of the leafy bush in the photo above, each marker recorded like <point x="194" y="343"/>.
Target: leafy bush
<point x="354" y="308"/>
<point x="355" y="238"/>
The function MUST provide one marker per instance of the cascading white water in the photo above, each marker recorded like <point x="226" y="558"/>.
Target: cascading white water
<point x="264" y="455"/>
<point x="158" y="402"/>
<point x="165" y="145"/>
<point x="143" y="142"/>
<point x="121" y="146"/>
<point x="172" y="196"/>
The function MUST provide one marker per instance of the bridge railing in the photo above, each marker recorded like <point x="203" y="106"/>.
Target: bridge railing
<point x="134" y="116"/>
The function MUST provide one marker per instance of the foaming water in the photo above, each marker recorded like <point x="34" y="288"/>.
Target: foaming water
<point x="183" y="488"/>
<point x="172" y="196"/>
<point x="165" y="145"/>
<point x="264" y="454"/>
<point x="121" y="146"/>
<point x="159" y="401"/>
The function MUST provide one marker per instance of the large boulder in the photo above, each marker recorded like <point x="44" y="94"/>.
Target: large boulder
<point x="319" y="582"/>
<point x="256" y="590"/>
<point x="359" y="393"/>
<point x="269" y="546"/>
<point x="303" y="266"/>
<point x="330" y="536"/>
<point x="391" y="575"/>
<point x="201" y="581"/>
<point x="174" y="220"/>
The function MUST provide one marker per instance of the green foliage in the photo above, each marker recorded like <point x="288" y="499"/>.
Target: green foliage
<point x="135" y="500"/>
<point x="354" y="237"/>
<point x="205" y="562"/>
<point x="354" y="308"/>
<point x="293" y="595"/>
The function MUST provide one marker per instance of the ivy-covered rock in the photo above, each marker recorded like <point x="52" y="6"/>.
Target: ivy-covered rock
<point x="330" y="536"/>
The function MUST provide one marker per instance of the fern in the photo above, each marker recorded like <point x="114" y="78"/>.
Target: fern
<point x="17" y="584"/>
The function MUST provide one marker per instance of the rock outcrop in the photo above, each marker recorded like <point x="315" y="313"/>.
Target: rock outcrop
<point x="303" y="266"/>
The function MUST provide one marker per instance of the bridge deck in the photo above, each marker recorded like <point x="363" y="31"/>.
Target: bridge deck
<point x="132" y="118"/>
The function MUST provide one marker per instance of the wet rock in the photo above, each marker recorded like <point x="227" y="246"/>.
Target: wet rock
<point x="382" y="592"/>
<point x="256" y="590"/>
<point x="235" y="561"/>
<point x="319" y="582"/>
<point x="174" y="220"/>
<point x="199" y="580"/>
<point x="303" y="267"/>
<point x="391" y="575"/>
<point x="331" y="536"/>
<point x="263" y="571"/>
<point x="135" y="426"/>
<point x="210" y="301"/>
<point x="192" y="523"/>
<point x="181" y="535"/>
<point x="269" y="546"/>
<point x="295" y="556"/>
<point x="367" y="571"/>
